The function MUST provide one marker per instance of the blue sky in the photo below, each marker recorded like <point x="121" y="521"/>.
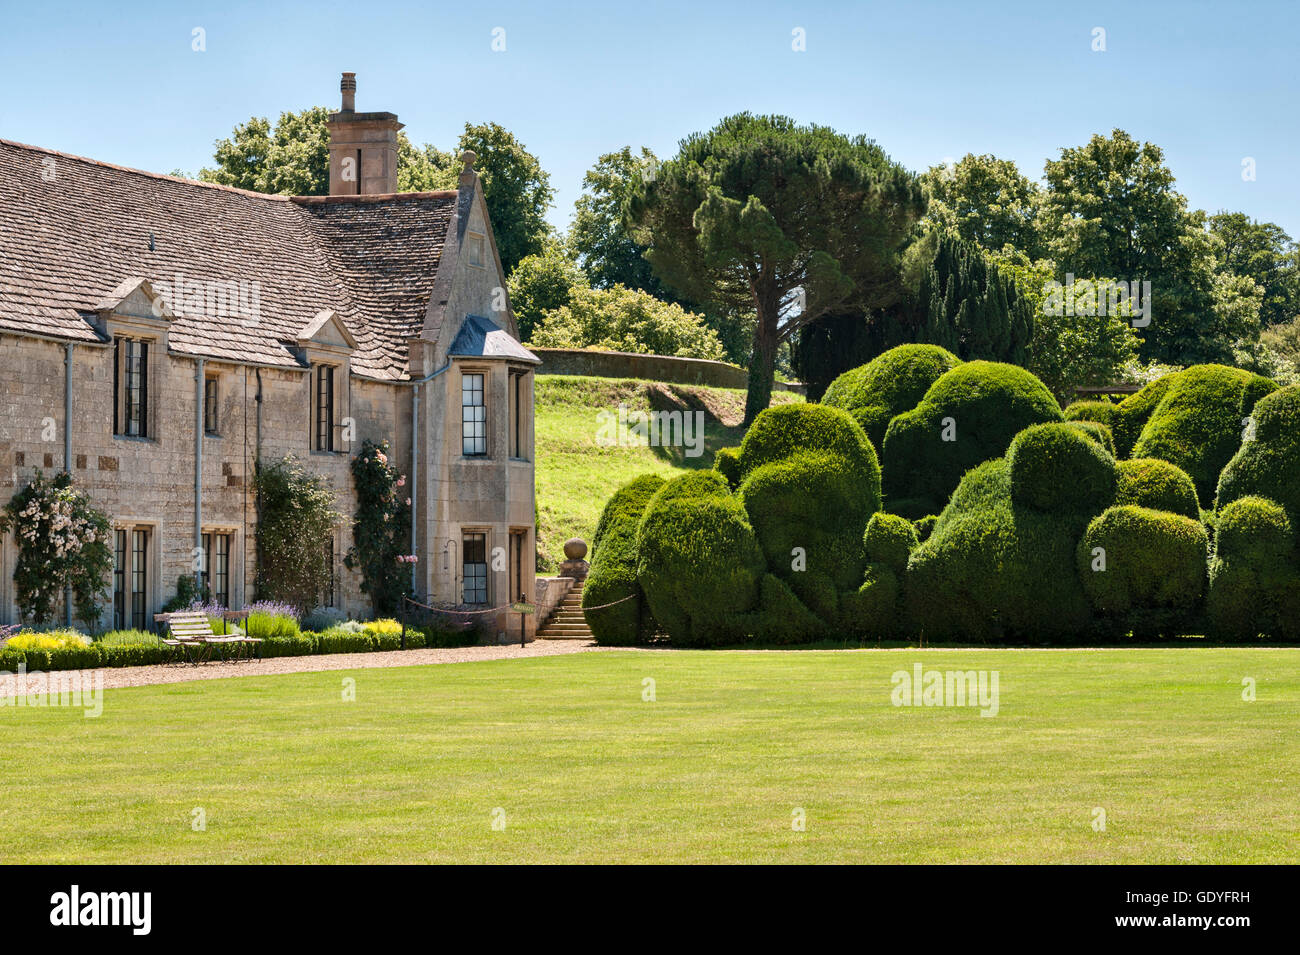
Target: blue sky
<point x="1210" y="83"/>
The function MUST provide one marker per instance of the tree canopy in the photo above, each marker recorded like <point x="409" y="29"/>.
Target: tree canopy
<point x="603" y="244"/>
<point x="1263" y="252"/>
<point x="788" y="221"/>
<point x="987" y="201"/>
<point x="624" y="319"/>
<point x="1111" y="209"/>
<point x="541" y="283"/>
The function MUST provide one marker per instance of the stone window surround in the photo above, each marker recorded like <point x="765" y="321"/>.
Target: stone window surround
<point x="465" y="531"/>
<point x="486" y="371"/>
<point x="234" y="560"/>
<point x="340" y="359"/>
<point x="527" y="569"/>
<point x="212" y="412"/>
<point x="517" y="378"/>
<point x="336" y="579"/>
<point x="154" y="333"/>
<point x="153" y="569"/>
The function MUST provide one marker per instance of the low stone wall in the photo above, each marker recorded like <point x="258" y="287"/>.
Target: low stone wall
<point x="550" y="591"/>
<point x="666" y="368"/>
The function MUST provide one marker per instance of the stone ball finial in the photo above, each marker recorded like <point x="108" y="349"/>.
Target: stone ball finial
<point x="575" y="548"/>
<point x="469" y="157"/>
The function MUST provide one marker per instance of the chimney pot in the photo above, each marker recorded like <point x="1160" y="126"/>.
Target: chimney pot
<point x="349" y="88"/>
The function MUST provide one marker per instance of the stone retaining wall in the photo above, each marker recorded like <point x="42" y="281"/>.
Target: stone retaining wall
<point x="666" y="368"/>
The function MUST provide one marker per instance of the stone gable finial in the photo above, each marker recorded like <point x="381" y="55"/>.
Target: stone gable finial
<point x="469" y="157"/>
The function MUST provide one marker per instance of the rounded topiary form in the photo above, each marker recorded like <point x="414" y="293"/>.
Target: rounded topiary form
<point x="889" y="540"/>
<point x="1056" y="467"/>
<point x="1256" y="532"/>
<point x="1268" y="465"/>
<point x="874" y="609"/>
<point x="968" y="416"/>
<point x="1254" y="582"/>
<point x="781" y="616"/>
<point x="780" y="432"/>
<point x="992" y="569"/>
<point x="893" y="382"/>
<point x="1101" y="412"/>
<point x="1098" y="432"/>
<point x="1129" y="417"/>
<point x="1197" y="422"/>
<point x="1157" y="484"/>
<point x="727" y="463"/>
<point x="698" y="560"/>
<point x="612" y="577"/>
<point x="809" y="512"/>
<point x="1143" y="569"/>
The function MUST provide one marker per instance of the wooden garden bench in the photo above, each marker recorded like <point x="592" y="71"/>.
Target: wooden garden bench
<point x="191" y="631"/>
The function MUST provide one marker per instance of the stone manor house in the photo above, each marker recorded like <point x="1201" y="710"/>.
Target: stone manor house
<point x="159" y="336"/>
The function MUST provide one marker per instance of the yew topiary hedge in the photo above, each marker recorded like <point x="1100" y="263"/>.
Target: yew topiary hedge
<point x="894" y="382"/>
<point x="1254" y="580"/>
<point x="698" y="560"/>
<point x="966" y="417"/>
<point x="1157" y="484"/>
<point x="1030" y="525"/>
<point x="613" y="573"/>
<point x="1143" y="570"/>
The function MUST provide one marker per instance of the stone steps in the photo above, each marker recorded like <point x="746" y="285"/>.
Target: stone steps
<point x="568" y="621"/>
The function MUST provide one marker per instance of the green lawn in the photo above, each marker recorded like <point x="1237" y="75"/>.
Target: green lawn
<point x="576" y="476"/>
<point x="585" y="771"/>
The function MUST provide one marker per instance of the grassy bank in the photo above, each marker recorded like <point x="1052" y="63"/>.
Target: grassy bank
<point x="576" y="475"/>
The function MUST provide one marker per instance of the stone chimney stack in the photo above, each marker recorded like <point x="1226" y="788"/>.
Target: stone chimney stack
<point x="349" y="87"/>
<point x="363" y="148"/>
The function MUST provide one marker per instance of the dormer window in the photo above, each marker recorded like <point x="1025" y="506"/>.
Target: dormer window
<point x="326" y="346"/>
<point x="477" y="247"/>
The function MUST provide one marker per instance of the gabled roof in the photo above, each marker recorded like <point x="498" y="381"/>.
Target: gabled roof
<point x="142" y="291"/>
<point x="73" y="231"/>
<point x="479" y="337"/>
<point x="325" y="319"/>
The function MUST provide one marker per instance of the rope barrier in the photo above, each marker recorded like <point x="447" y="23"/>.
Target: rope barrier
<point x="612" y="603"/>
<point x="449" y="610"/>
<point x="417" y="603"/>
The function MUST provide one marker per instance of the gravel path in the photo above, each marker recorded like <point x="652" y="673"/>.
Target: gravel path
<point x="183" y="672"/>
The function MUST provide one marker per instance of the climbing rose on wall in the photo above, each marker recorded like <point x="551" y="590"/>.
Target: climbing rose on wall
<point x="381" y="530"/>
<point x="63" y="542"/>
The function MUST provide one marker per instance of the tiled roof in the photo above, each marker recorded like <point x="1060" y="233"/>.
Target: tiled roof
<point x="72" y="229"/>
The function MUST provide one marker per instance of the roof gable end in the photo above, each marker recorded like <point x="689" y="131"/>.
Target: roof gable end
<point x="329" y="329"/>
